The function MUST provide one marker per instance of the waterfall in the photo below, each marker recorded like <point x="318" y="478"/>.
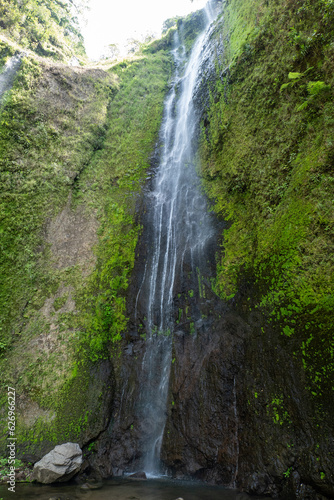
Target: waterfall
<point x="180" y="229"/>
<point x="8" y="74"/>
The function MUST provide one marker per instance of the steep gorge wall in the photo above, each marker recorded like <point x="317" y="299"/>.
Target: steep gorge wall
<point x="49" y="28"/>
<point x="267" y="160"/>
<point x="75" y="145"/>
<point x="250" y="399"/>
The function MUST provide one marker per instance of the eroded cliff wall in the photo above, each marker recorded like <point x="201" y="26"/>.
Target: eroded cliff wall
<point x="75" y="145"/>
<point x="251" y="390"/>
<point x="267" y="160"/>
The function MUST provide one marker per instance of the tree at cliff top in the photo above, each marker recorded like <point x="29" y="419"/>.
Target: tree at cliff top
<point x="49" y="28"/>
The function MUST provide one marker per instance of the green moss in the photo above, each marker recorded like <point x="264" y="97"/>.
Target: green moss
<point x="39" y="144"/>
<point x="190" y="27"/>
<point x="60" y="302"/>
<point x="276" y="410"/>
<point x="267" y="152"/>
<point x="84" y="148"/>
<point x="119" y="173"/>
<point x="71" y="411"/>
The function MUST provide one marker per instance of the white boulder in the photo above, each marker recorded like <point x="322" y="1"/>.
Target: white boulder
<point x="61" y="464"/>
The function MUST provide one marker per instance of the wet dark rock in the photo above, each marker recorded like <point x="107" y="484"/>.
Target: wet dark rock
<point x="62" y="497"/>
<point x="199" y="324"/>
<point x="85" y="466"/>
<point x="138" y="475"/>
<point x="92" y="486"/>
<point x="258" y="484"/>
<point x="20" y="476"/>
<point x="116" y="472"/>
<point x="242" y="496"/>
<point x="129" y="350"/>
<point x="29" y="458"/>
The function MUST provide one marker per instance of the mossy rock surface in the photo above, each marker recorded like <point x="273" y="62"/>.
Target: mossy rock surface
<point x="74" y="143"/>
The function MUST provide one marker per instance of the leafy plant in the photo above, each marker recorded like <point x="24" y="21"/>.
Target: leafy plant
<point x="295" y="77"/>
<point x="5" y="467"/>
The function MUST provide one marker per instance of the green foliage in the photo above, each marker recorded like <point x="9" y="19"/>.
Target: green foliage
<point x="50" y="28"/>
<point x="120" y="170"/>
<point x="267" y="156"/>
<point x="276" y="410"/>
<point x="91" y="446"/>
<point x="62" y="422"/>
<point x="104" y="316"/>
<point x="75" y="142"/>
<point x="314" y="89"/>
<point x="40" y="151"/>
<point x="5" y="468"/>
<point x="60" y="302"/>
<point x="287" y="472"/>
<point x="190" y="27"/>
<point x="170" y="23"/>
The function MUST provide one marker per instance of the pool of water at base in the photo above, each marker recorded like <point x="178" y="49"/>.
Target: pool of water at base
<point x="125" y="489"/>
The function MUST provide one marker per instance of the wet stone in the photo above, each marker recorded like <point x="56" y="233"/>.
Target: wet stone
<point x="138" y="475"/>
<point x="117" y="472"/>
<point x="129" y="350"/>
<point x="91" y="486"/>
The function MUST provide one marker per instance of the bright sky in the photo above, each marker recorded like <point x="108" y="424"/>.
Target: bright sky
<point x="114" y="21"/>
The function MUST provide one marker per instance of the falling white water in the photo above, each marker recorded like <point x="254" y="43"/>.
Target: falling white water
<point x="180" y="231"/>
<point x="8" y="74"/>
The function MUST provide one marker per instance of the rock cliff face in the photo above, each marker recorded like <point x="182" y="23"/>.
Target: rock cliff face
<point x="240" y="411"/>
<point x="68" y="156"/>
<point x="223" y="423"/>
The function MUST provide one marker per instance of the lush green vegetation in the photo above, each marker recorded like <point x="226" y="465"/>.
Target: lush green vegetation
<point x="19" y="466"/>
<point x="190" y="27"/>
<point x="49" y="127"/>
<point x="267" y="149"/>
<point x="117" y="174"/>
<point x="42" y="150"/>
<point x="48" y="27"/>
<point x="75" y="146"/>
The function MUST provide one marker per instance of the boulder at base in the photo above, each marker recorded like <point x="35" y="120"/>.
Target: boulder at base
<point x="138" y="475"/>
<point x="61" y="464"/>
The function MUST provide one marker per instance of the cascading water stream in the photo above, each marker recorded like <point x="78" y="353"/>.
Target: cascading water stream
<point x="180" y="229"/>
<point x="8" y="74"/>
